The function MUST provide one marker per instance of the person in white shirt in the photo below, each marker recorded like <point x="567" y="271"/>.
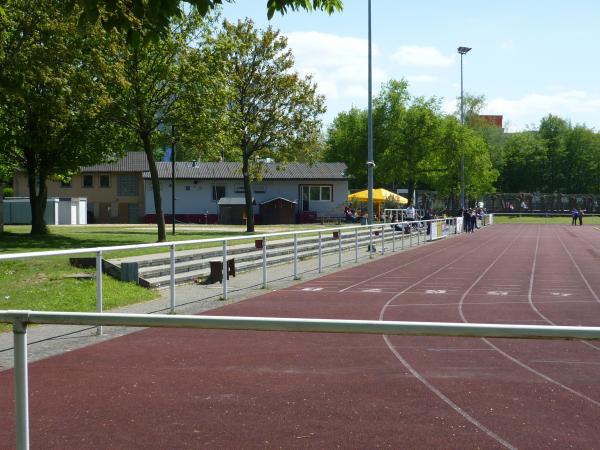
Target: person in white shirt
<point x="410" y="213"/>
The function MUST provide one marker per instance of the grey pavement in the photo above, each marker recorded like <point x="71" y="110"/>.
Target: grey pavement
<point x="48" y="340"/>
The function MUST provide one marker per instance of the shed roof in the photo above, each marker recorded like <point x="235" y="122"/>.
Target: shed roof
<point x="278" y="198"/>
<point x="233" y="201"/>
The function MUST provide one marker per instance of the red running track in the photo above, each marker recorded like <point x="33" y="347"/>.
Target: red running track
<point x="228" y="389"/>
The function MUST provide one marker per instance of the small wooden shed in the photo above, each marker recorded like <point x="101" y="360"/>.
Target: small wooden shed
<point x="232" y="210"/>
<point x="278" y="210"/>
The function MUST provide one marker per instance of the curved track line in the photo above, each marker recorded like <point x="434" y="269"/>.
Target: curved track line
<point x="398" y="267"/>
<point x="530" y="292"/>
<point x="506" y="355"/>
<point x="422" y="379"/>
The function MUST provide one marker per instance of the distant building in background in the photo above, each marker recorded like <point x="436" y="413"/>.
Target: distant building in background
<point x="493" y="120"/>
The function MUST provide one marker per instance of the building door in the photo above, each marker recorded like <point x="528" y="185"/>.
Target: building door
<point x="133" y="213"/>
<point x="104" y="213"/>
<point x="305" y="198"/>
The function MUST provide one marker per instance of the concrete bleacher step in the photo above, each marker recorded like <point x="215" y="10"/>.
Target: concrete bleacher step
<point x="154" y="271"/>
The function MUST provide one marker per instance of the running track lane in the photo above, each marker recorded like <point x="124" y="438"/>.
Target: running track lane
<point x="184" y="388"/>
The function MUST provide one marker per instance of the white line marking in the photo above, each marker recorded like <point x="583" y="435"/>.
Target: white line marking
<point x="497" y="293"/>
<point x="371" y="290"/>
<point x="312" y="289"/>
<point x="435" y="291"/>
<point x="427" y="384"/>
<point x="512" y="358"/>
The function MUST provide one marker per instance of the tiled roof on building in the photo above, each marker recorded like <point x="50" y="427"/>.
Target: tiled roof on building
<point x="233" y="171"/>
<point x="131" y="162"/>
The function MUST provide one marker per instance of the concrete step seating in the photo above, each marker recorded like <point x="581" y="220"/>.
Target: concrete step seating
<point x="154" y="270"/>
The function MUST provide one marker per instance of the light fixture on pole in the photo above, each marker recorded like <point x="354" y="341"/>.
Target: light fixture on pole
<point x="370" y="162"/>
<point x="462" y="51"/>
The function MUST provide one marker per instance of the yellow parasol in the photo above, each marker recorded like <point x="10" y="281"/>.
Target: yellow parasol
<point x="379" y="196"/>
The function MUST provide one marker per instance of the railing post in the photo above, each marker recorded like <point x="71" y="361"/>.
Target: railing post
<point x="370" y="241"/>
<point x="296" y="257"/>
<point x="410" y="233"/>
<point x="320" y="252"/>
<point x="225" y="270"/>
<point x="402" y="228"/>
<point x="393" y="237"/>
<point x="382" y="241"/>
<point x="340" y="247"/>
<point x="99" y="288"/>
<point x="264" y="261"/>
<point x="355" y="245"/>
<point x="418" y="233"/>
<point x="172" y="286"/>
<point x="21" y="385"/>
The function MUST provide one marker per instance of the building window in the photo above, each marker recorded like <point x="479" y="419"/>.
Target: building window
<point x="260" y="189"/>
<point x="88" y="180"/>
<point x="104" y="180"/>
<point x="320" y="193"/>
<point x="218" y="192"/>
<point x="127" y="185"/>
<point x="239" y="189"/>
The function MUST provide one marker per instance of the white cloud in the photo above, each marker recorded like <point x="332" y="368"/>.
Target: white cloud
<point x="412" y="55"/>
<point x="576" y="105"/>
<point x="413" y="79"/>
<point x="338" y="64"/>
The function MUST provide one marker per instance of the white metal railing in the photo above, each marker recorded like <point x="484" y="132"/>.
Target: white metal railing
<point x="21" y="319"/>
<point x="378" y="228"/>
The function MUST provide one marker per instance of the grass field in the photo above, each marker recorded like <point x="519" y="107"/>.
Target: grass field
<point x="550" y="219"/>
<point x="47" y="284"/>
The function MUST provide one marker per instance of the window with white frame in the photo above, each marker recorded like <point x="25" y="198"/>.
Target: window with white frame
<point x="239" y="189"/>
<point x="320" y="193"/>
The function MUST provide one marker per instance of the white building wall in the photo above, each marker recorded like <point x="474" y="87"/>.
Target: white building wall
<point x="195" y="196"/>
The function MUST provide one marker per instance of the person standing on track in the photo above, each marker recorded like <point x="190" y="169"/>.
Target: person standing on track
<point x="580" y="216"/>
<point x="574" y="216"/>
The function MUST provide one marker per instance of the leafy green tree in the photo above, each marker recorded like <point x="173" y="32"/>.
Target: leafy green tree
<point x="52" y="92"/>
<point x="144" y="20"/>
<point x="273" y="113"/>
<point x="347" y="142"/>
<point x="526" y="162"/>
<point x="553" y="131"/>
<point x="162" y="84"/>
<point x="412" y="141"/>
<point x="581" y="157"/>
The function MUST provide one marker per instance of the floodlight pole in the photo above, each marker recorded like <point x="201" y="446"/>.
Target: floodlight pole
<point x="462" y="51"/>
<point x="173" y="177"/>
<point x="370" y="163"/>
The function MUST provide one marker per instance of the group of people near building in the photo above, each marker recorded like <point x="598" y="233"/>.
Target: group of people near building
<point x="576" y="215"/>
<point x="470" y="216"/>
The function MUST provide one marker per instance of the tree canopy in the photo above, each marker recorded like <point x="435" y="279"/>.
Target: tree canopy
<point x="143" y="19"/>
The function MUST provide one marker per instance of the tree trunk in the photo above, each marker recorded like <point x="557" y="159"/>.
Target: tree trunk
<point x="160" y="217"/>
<point x="1" y="207"/>
<point x="37" y="201"/>
<point x="248" y="197"/>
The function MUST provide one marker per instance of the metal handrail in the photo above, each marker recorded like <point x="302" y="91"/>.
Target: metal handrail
<point x="21" y="319"/>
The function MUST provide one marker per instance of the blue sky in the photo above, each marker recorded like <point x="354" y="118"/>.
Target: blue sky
<point x="528" y="59"/>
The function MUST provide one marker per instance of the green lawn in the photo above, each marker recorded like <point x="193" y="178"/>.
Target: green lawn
<point x="587" y="220"/>
<point x="45" y="284"/>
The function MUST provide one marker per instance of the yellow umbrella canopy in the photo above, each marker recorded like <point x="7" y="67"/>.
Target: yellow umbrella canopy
<point x="379" y="196"/>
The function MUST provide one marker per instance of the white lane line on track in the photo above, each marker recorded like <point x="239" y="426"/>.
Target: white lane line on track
<point x="589" y="344"/>
<point x="502" y="352"/>
<point x="422" y="379"/>
<point x="396" y="268"/>
<point x="550" y="361"/>
<point x="557" y="302"/>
